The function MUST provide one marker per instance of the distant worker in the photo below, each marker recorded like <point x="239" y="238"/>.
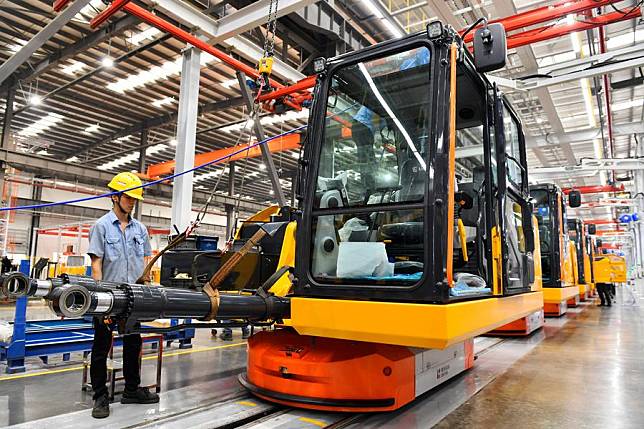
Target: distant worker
<point x="603" y="289"/>
<point x="612" y="292"/>
<point x="227" y="333"/>
<point x="119" y="247"/>
<point x="6" y="264"/>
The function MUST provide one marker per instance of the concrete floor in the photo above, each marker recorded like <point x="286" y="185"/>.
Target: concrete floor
<point x="587" y="374"/>
<point x="583" y="370"/>
<point x="27" y="397"/>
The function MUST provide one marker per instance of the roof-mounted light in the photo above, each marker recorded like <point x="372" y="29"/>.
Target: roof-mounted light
<point x="434" y="29"/>
<point x="319" y="64"/>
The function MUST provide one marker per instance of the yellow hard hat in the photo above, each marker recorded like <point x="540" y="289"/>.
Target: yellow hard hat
<point x="123" y="181"/>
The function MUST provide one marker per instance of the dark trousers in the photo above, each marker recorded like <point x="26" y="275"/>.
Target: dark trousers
<point x="603" y="289"/>
<point x="100" y="350"/>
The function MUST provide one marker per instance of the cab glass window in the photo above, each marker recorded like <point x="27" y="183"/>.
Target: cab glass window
<point x="374" y="153"/>
<point x="512" y="149"/>
<point x="376" y="131"/>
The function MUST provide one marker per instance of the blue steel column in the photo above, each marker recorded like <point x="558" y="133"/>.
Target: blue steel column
<point x="16" y="351"/>
<point x="186" y="137"/>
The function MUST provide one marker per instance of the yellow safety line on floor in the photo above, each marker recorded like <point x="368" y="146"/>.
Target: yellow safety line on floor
<point x="78" y="368"/>
<point x="315" y="422"/>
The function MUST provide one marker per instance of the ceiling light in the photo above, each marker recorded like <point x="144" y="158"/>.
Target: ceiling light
<point x="92" y="7"/>
<point x="107" y="62"/>
<point x="588" y="102"/>
<point x="35" y="100"/>
<point x="91" y="129"/>
<point x="41" y="125"/>
<point x="43" y="152"/>
<point x="150" y="33"/>
<point x="262" y="167"/>
<point x="207" y="176"/>
<point x="17" y="45"/>
<point x="629" y="38"/>
<point x="163" y="101"/>
<point x="173" y="142"/>
<point x="134" y="156"/>
<point x="165" y="70"/>
<point x="73" y="68"/>
<point x="229" y="83"/>
<point x="73" y="159"/>
<point x="575" y="39"/>
<point x="624" y="105"/>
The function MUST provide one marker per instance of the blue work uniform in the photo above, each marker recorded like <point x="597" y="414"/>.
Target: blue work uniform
<point x="420" y="58"/>
<point x="122" y="254"/>
<point x="365" y="117"/>
<point x="122" y="251"/>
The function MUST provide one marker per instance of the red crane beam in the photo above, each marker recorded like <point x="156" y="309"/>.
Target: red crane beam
<point x="602" y="221"/>
<point x="60" y="5"/>
<point x="544" y="14"/>
<point x="595" y="189"/>
<point x="287" y="142"/>
<point x="554" y="31"/>
<point x="107" y="13"/>
<point x="186" y="37"/>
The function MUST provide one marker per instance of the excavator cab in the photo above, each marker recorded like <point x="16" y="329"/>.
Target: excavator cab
<point x="591" y="250"/>
<point x="414" y="233"/>
<point x="558" y="272"/>
<point x="388" y="214"/>
<point x="577" y="234"/>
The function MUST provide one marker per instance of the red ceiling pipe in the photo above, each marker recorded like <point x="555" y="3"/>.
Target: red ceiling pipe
<point x="551" y="32"/>
<point x="107" y="13"/>
<point x="62" y="234"/>
<point x="514" y="40"/>
<point x="306" y="83"/>
<point x="183" y="35"/>
<point x="612" y="232"/>
<point x="544" y="14"/>
<point x="595" y="189"/>
<point x="602" y="221"/>
<point x="60" y="4"/>
<point x="610" y="246"/>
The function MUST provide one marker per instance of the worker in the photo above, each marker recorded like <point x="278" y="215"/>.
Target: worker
<point x="603" y="289"/>
<point x="6" y="264"/>
<point x="119" y="247"/>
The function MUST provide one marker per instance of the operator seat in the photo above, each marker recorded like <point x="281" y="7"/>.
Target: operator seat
<point x="412" y="181"/>
<point x="474" y="220"/>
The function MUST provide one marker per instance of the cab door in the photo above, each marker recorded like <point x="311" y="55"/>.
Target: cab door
<point x="515" y="209"/>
